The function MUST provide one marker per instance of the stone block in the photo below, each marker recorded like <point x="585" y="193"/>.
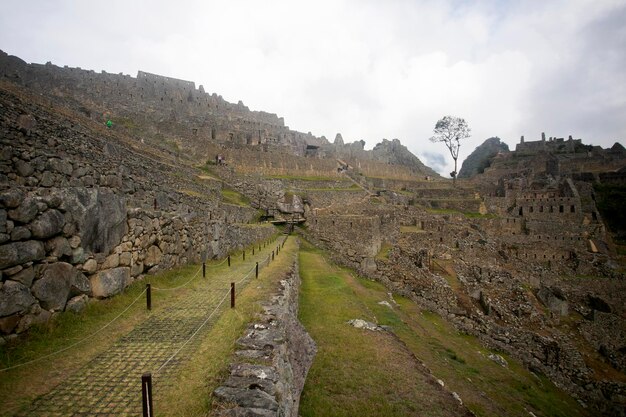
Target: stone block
<point x="25" y="212"/>
<point x="153" y="256"/>
<point x="20" y="233"/>
<point x="111" y="261"/>
<point x="31" y="319"/>
<point x="58" y="246"/>
<point x="125" y="259"/>
<point x="78" y="255"/>
<point x="25" y="276"/>
<point x="90" y="266"/>
<point x="48" y="224"/>
<point x="23" y="168"/>
<point x="18" y="253"/>
<point x="52" y="289"/>
<point x="77" y="304"/>
<point x="110" y="282"/>
<point x="8" y="324"/>
<point x="252" y="398"/>
<point x="11" y="198"/>
<point x="14" y="298"/>
<point x="136" y="269"/>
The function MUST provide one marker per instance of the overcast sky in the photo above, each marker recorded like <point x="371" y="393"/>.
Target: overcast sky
<point x="367" y="69"/>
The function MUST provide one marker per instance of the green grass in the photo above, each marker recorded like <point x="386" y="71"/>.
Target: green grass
<point x="20" y="386"/>
<point x="469" y="214"/>
<point x="383" y="253"/>
<point x="306" y="178"/>
<point x="358" y="372"/>
<point x="233" y="197"/>
<point x="340" y="382"/>
<point x="352" y="187"/>
<point x="411" y="229"/>
<point x="207" y="368"/>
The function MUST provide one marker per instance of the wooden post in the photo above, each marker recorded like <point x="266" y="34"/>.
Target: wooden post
<point x="232" y="295"/>
<point x="244" y="254"/>
<point x="228" y="260"/>
<point x="272" y="255"/>
<point x="257" y="270"/>
<point x="148" y="297"/>
<point x="146" y="395"/>
<point x="203" y="269"/>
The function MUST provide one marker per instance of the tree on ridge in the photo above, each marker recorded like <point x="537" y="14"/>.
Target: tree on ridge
<point x="451" y="130"/>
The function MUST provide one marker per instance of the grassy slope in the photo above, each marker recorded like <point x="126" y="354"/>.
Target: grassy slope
<point x="358" y="372"/>
<point x="363" y="373"/>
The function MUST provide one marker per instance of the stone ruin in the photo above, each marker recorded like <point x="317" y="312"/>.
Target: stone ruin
<point x="506" y="255"/>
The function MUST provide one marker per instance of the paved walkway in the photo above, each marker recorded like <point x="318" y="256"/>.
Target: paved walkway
<point x="110" y="385"/>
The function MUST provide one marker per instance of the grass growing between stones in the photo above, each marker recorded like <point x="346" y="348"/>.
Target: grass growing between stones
<point x="192" y="392"/>
<point x="370" y="373"/>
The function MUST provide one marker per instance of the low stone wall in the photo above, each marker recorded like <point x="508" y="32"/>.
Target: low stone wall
<point x="273" y="359"/>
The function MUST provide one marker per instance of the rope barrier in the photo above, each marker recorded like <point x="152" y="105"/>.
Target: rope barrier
<point x="130" y="305"/>
<point x="180" y="286"/>
<point x="80" y="341"/>
<point x="226" y="294"/>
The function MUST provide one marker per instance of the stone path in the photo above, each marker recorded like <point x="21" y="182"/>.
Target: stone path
<point x="110" y="385"/>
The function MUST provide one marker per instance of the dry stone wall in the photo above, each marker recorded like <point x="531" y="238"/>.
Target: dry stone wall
<point x="273" y="359"/>
<point x="84" y="214"/>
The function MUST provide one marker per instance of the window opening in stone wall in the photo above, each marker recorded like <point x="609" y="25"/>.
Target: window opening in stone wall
<point x="531" y="209"/>
<point x="572" y="209"/>
<point x="560" y="209"/>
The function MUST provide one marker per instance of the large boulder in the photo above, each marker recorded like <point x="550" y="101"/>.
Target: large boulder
<point x="52" y="289"/>
<point x="110" y="282"/>
<point x="48" y="224"/>
<point x="14" y="298"/>
<point x="554" y="299"/>
<point x="21" y="252"/>
<point x="98" y="216"/>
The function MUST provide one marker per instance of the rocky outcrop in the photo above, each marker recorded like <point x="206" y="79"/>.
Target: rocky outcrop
<point x="274" y="357"/>
<point x="394" y="153"/>
<point x="481" y="157"/>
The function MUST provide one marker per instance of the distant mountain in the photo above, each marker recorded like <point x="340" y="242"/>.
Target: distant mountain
<point x="480" y="159"/>
<point x="395" y="153"/>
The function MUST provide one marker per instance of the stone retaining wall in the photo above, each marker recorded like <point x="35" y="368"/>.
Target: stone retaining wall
<point x="83" y="213"/>
<point x="273" y="359"/>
